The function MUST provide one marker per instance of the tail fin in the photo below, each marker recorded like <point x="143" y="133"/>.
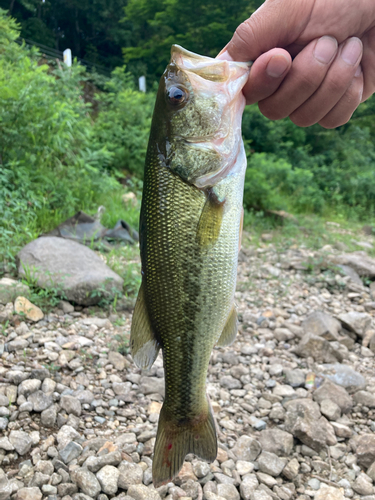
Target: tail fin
<point x="174" y="442"/>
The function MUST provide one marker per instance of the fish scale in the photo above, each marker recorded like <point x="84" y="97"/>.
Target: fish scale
<point x="189" y="249"/>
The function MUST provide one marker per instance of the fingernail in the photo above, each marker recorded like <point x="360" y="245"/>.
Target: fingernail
<point x="277" y="66"/>
<point x="325" y="49"/>
<point x="358" y="71"/>
<point x="352" y="51"/>
<point x="224" y="56"/>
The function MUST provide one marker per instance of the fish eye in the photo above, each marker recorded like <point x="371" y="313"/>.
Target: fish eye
<point x="176" y="95"/>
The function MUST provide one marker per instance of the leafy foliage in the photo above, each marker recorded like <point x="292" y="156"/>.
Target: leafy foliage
<point x="53" y="162"/>
<point x="203" y="27"/>
<point x="123" y="122"/>
<point x="309" y="169"/>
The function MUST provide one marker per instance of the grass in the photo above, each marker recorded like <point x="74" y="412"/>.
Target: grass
<point x="260" y="229"/>
<point x="310" y="230"/>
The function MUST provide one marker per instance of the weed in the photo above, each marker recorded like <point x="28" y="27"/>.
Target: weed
<point x="4" y="327"/>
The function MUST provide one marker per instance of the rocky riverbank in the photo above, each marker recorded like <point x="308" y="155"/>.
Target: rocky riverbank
<point x="294" y="396"/>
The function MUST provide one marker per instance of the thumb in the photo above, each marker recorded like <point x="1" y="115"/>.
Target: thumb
<point x="276" y="23"/>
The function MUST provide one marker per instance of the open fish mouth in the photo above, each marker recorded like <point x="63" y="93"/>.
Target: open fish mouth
<point x="217" y="84"/>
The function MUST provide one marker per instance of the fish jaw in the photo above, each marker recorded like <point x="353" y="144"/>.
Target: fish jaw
<point x="205" y="134"/>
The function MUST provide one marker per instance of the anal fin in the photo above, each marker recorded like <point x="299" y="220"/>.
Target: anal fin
<point x="143" y="345"/>
<point x="230" y="329"/>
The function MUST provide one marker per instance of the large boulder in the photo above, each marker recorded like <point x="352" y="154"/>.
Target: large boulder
<point x="75" y="271"/>
<point x="359" y="261"/>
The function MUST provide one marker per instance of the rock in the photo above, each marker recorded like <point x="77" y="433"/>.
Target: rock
<point x="323" y="325"/>
<point x="318" y="348"/>
<point x="302" y="420"/>
<point x="4" y="401"/>
<point x="366" y="450"/>
<point x="247" y="448"/>
<point x="200" y="469"/>
<point x="270" y="463"/>
<point x="48" y="417"/>
<point x="73" y="268"/>
<point x="335" y="393"/>
<point x="71" y="405"/>
<point x="229" y="382"/>
<point x="363" y="485"/>
<point x="329" y="493"/>
<point x="29" y="494"/>
<point x="5" y="486"/>
<point x="64" y="489"/>
<point x="141" y="492"/>
<point x="356" y="322"/>
<point x="108" y="478"/>
<point x="17" y="345"/>
<point x="11" y="289"/>
<point x="345" y="376"/>
<point x="244" y="467"/>
<point x="24" y="307"/>
<point x="371" y="472"/>
<point x="129" y="474"/>
<point x="65" y="306"/>
<point x="96" y="463"/>
<point x="260" y="495"/>
<point x="341" y="430"/>
<point x="21" y="441"/>
<point x="228" y="491"/>
<point x="295" y="378"/>
<point x="291" y="469"/>
<point x="248" y="486"/>
<point x="28" y="386"/>
<point x="5" y="444"/>
<point x="353" y="275"/>
<point x="71" y="451"/>
<point x="152" y="385"/>
<point x="330" y="409"/>
<point x="276" y="441"/>
<point x="40" y="401"/>
<point x="359" y="261"/>
<point x="87" y="482"/>
<point x="117" y="360"/>
<point x="84" y="396"/>
<point x="365" y="398"/>
<point x="16" y="377"/>
<point x="65" y="435"/>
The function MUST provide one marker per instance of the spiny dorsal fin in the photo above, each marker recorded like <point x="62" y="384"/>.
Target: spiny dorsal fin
<point x="143" y="345"/>
<point x="230" y="329"/>
<point x="209" y="224"/>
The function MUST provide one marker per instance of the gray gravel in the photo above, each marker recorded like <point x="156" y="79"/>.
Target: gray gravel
<point x="294" y="396"/>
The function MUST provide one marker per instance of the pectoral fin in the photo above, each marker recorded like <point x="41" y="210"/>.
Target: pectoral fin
<point x="143" y="344"/>
<point x="230" y="329"/>
<point x="209" y="224"/>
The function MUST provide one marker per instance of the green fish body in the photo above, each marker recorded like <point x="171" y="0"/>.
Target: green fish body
<point x="190" y="231"/>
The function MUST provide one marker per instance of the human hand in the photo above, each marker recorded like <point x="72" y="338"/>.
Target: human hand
<point x="333" y="70"/>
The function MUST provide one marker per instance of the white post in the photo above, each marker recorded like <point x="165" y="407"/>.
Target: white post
<point x="142" y="83"/>
<point x="68" y="57"/>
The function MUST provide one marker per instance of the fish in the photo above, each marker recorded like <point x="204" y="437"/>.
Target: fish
<point x="190" y="227"/>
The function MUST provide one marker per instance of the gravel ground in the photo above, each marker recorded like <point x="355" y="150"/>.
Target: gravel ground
<point x="294" y="396"/>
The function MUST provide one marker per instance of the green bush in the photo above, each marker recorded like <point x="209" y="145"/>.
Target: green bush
<point x="123" y="123"/>
<point x="53" y="159"/>
<point x="309" y="169"/>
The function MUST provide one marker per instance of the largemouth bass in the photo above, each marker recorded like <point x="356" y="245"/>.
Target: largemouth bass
<point x="190" y="228"/>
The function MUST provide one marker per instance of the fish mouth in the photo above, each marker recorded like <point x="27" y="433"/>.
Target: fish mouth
<point x="209" y="76"/>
